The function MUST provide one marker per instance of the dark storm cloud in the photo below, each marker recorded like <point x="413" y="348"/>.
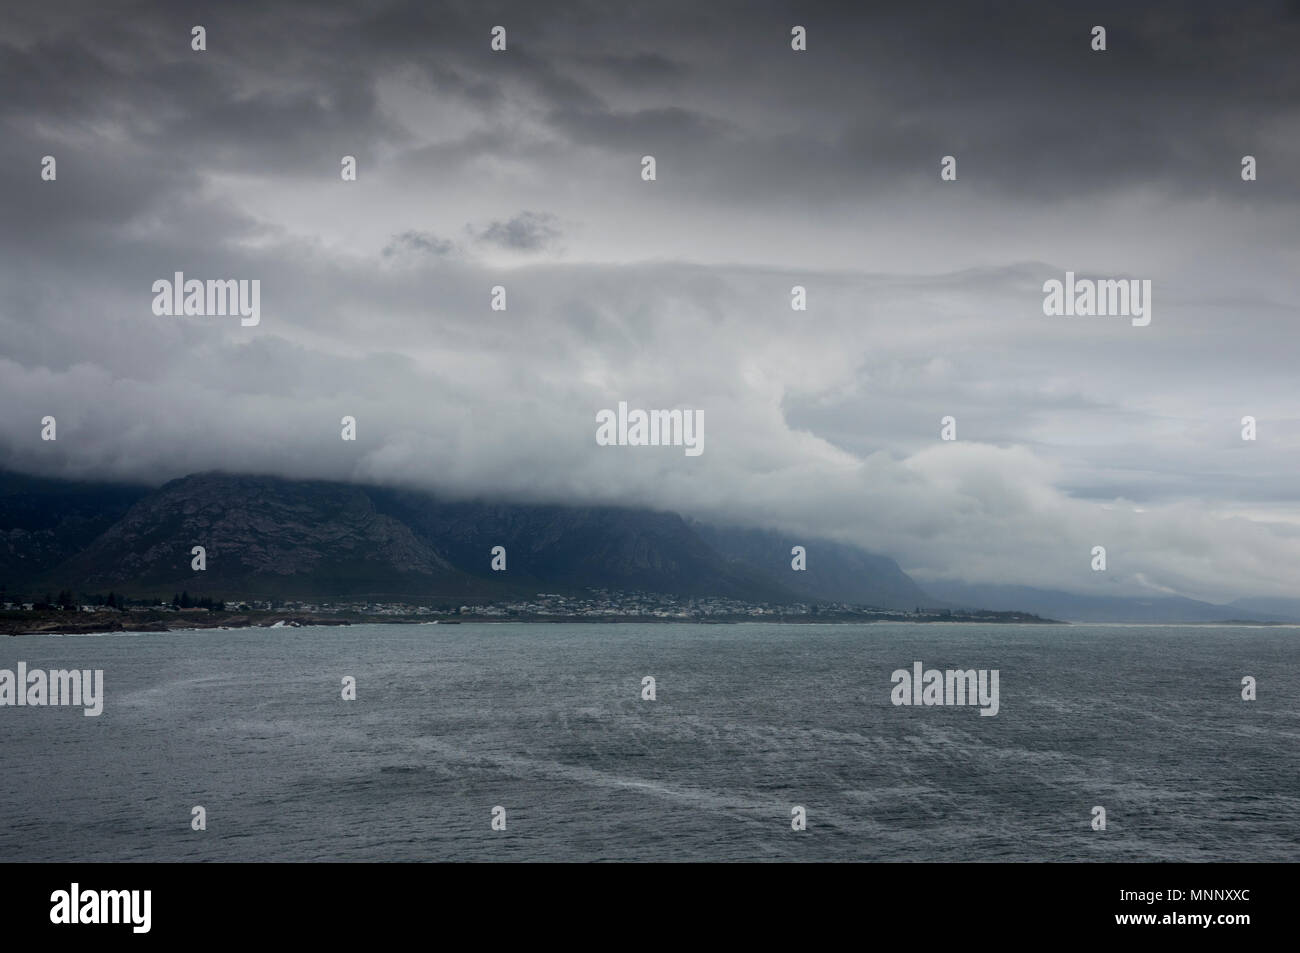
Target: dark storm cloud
<point x="1013" y="91"/>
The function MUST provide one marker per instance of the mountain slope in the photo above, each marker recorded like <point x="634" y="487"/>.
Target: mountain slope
<point x="263" y="536"/>
<point x="835" y="572"/>
<point x="271" y="537"/>
<point x="573" y="548"/>
<point x="45" y="521"/>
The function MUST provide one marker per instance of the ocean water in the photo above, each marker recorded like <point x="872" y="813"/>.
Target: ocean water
<point x="547" y="721"/>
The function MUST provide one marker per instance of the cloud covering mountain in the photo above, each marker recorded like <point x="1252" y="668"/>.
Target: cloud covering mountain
<point x="521" y="169"/>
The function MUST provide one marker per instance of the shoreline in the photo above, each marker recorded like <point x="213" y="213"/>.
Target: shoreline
<point x="77" y="623"/>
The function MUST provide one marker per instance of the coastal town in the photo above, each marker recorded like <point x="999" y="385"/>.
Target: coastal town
<point x="116" y="613"/>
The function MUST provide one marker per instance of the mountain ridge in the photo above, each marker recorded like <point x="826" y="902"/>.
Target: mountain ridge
<point x="272" y="536"/>
<point x="276" y="537"/>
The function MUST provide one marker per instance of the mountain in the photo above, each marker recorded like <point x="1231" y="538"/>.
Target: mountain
<point x="268" y="537"/>
<point x="1073" y="607"/>
<point x="263" y="536"/>
<point x="272" y="537"/>
<point x="572" y="548"/>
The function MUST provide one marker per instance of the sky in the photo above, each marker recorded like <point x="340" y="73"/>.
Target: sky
<point x="522" y="168"/>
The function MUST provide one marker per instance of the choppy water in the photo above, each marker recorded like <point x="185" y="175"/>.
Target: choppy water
<point x="547" y="721"/>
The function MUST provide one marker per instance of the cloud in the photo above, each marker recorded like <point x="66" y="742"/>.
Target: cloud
<point x="527" y="231"/>
<point x="424" y="243"/>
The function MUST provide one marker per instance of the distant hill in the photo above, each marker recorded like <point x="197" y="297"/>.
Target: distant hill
<point x="1258" y="607"/>
<point x="1073" y="607"/>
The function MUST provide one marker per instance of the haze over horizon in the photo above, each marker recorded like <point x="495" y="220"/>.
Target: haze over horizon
<point x="774" y="168"/>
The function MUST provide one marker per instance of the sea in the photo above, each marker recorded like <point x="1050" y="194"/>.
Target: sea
<point x="535" y="742"/>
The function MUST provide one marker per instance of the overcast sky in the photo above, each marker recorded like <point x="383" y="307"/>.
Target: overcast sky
<point x="774" y="168"/>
